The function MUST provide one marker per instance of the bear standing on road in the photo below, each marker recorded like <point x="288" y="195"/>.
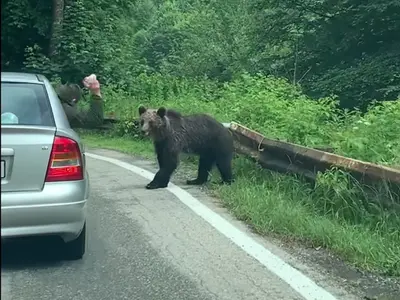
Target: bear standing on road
<point x="199" y="134"/>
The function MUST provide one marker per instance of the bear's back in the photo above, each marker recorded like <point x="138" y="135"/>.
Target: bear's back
<point x="199" y="132"/>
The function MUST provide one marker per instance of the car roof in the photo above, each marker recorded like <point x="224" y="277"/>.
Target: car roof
<point x="21" y="77"/>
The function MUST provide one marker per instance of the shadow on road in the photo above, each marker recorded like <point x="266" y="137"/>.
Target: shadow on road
<point x="31" y="253"/>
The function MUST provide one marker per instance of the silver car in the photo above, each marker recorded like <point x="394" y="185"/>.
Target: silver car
<point x="44" y="181"/>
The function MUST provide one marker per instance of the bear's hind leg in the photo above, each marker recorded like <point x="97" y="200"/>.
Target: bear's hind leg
<point x="206" y="163"/>
<point x="224" y="165"/>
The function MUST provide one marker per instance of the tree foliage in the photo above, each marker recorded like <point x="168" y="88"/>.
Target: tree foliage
<point x="350" y="48"/>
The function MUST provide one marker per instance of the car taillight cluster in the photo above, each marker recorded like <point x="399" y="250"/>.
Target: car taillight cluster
<point x="65" y="162"/>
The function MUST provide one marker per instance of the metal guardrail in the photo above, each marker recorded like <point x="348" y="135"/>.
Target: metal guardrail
<point x="287" y="157"/>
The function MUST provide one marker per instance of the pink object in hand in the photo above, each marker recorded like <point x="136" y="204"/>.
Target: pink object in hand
<point x="91" y="82"/>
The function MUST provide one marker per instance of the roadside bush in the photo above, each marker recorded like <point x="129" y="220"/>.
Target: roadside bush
<point x="274" y="108"/>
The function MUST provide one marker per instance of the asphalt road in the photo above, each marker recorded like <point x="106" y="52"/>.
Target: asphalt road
<point x="141" y="245"/>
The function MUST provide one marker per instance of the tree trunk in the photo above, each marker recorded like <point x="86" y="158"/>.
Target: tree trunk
<point x="56" y="26"/>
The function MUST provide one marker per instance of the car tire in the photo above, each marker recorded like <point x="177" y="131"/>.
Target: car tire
<point x="75" y="249"/>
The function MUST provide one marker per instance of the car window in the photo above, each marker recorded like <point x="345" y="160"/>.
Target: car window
<point x="25" y="104"/>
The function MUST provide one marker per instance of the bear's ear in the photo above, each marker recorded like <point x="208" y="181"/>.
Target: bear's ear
<point x="142" y="110"/>
<point x="161" y="112"/>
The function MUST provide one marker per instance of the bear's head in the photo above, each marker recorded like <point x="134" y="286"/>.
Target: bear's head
<point x="153" y="123"/>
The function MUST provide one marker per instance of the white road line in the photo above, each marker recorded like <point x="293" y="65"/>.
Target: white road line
<point x="297" y="280"/>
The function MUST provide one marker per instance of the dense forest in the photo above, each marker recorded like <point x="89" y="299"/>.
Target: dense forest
<point x="348" y="48"/>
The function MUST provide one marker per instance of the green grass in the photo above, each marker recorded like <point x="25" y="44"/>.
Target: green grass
<point x="121" y="144"/>
<point x="337" y="217"/>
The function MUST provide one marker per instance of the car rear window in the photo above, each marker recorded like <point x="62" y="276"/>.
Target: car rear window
<point x="25" y="104"/>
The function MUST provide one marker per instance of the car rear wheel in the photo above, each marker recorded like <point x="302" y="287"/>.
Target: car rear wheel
<point x="75" y="249"/>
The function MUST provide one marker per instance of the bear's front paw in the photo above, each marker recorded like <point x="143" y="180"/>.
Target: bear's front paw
<point x="155" y="185"/>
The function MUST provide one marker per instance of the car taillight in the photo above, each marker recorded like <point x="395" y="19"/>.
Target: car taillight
<point x="65" y="161"/>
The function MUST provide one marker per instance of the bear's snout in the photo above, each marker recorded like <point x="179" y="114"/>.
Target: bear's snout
<point x="144" y="131"/>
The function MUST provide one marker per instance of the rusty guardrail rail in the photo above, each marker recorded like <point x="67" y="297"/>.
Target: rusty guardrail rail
<point x="287" y="157"/>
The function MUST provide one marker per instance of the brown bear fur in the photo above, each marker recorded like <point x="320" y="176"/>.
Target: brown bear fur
<point x="200" y="134"/>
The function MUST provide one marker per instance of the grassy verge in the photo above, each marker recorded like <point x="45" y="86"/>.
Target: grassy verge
<point x="284" y="205"/>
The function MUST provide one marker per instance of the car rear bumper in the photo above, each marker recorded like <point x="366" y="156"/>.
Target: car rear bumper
<point x="59" y="209"/>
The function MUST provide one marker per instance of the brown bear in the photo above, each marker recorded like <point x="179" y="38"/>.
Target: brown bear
<point x="200" y="134"/>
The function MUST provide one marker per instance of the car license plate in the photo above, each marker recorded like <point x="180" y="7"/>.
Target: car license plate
<point x="3" y="169"/>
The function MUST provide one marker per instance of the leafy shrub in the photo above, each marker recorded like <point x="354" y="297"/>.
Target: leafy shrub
<point x="274" y="108"/>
